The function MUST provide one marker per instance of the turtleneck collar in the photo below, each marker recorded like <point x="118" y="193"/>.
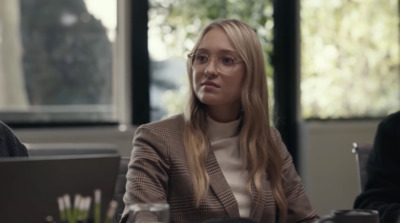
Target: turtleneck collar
<point x="221" y="130"/>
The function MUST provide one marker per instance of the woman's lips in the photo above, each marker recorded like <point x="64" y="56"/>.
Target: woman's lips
<point x="210" y="83"/>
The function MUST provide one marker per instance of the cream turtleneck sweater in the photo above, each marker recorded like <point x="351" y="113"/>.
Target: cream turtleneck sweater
<point x="224" y="142"/>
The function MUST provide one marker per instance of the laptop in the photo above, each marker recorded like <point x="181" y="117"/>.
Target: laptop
<point x="30" y="186"/>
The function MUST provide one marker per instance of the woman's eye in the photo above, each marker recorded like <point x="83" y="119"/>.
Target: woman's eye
<point x="228" y="60"/>
<point x="201" y="58"/>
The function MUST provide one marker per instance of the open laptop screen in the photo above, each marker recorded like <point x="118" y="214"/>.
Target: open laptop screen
<point x="30" y="186"/>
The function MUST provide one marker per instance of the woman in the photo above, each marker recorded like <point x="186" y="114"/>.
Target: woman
<point x="221" y="157"/>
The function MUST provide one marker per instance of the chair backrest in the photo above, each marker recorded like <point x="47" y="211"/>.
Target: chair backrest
<point x="362" y="151"/>
<point x="120" y="188"/>
<point x="51" y="149"/>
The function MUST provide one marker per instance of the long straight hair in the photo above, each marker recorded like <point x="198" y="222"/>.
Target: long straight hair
<point x="260" y="154"/>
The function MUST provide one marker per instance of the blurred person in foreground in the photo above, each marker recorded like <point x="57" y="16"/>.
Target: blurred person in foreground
<point x="221" y="157"/>
<point x="382" y="189"/>
<point x="10" y="145"/>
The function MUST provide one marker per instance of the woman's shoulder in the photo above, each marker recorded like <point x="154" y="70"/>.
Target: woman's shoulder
<point x="278" y="142"/>
<point x="174" y="122"/>
<point x="276" y="135"/>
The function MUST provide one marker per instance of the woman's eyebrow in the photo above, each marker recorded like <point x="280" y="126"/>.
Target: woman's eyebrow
<point x="203" y="50"/>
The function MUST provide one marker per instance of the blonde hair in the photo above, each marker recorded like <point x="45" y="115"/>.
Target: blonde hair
<point x="260" y="154"/>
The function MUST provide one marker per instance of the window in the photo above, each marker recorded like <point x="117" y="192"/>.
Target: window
<point x="58" y="61"/>
<point x="350" y="58"/>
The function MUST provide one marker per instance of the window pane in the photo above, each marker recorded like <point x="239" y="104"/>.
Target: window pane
<point x="56" y="60"/>
<point x="350" y="58"/>
<point x="173" y="28"/>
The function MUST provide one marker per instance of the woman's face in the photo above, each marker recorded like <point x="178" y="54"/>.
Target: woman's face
<point x="214" y="84"/>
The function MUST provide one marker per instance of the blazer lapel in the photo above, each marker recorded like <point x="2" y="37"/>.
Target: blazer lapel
<point x="264" y="203"/>
<point x="256" y="206"/>
<point x="220" y="186"/>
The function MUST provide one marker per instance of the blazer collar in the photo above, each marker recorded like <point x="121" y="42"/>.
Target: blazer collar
<point x="257" y="207"/>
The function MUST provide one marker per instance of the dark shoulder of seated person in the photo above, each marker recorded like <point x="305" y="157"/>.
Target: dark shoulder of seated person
<point x="10" y="146"/>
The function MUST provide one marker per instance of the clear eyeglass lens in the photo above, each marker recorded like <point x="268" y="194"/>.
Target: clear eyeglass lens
<point x="224" y="63"/>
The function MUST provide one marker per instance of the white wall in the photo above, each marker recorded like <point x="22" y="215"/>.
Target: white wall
<point x="328" y="167"/>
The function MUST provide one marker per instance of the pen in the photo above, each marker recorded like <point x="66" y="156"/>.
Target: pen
<point x="97" y="206"/>
<point x="75" y="210"/>
<point x="111" y="211"/>
<point x="86" y="209"/>
<point x="67" y="202"/>
<point x="81" y="210"/>
<point x="61" y="207"/>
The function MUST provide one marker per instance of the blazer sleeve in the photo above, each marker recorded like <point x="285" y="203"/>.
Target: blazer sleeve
<point x="382" y="189"/>
<point x="299" y="206"/>
<point x="147" y="176"/>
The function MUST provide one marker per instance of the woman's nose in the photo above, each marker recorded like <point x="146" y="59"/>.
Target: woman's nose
<point x="211" y="67"/>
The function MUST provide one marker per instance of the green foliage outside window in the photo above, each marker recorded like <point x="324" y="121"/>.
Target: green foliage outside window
<point x="350" y="50"/>
<point x="350" y="63"/>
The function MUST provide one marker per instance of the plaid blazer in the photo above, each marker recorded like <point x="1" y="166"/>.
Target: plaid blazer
<point x="158" y="172"/>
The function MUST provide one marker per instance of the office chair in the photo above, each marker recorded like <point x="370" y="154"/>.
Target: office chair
<point x="362" y="152"/>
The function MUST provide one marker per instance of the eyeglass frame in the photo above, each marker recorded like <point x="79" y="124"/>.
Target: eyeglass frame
<point x="191" y="57"/>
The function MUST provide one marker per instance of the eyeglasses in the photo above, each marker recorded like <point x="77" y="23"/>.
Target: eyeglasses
<point x="224" y="63"/>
